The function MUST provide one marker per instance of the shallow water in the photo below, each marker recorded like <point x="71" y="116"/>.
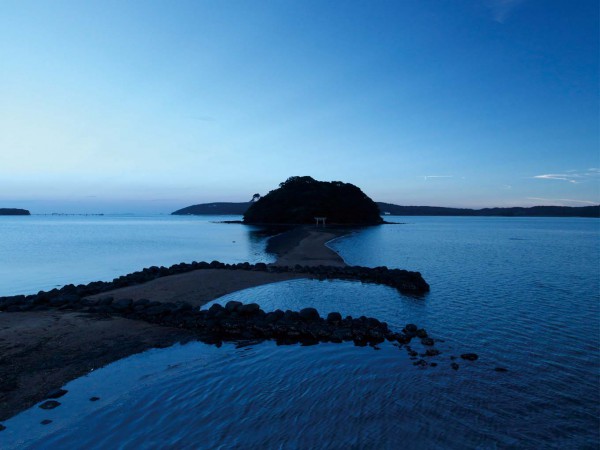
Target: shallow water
<point x="43" y="252"/>
<point x="522" y="293"/>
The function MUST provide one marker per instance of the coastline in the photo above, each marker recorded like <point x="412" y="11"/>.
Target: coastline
<point x="43" y="350"/>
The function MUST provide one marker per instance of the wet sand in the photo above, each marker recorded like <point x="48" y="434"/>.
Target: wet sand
<point x="43" y="350"/>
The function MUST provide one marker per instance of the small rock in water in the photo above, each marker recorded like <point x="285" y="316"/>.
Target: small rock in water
<point x="2" y="427"/>
<point x="411" y="328"/>
<point x="433" y="364"/>
<point x="56" y="393"/>
<point x="427" y="341"/>
<point x="46" y="421"/>
<point x="454" y="366"/>
<point x="432" y="352"/>
<point x="94" y="399"/>
<point x="469" y="356"/>
<point x="421" y="333"/>
<point x="50" y="404"/>
<point x="501" y="369"/>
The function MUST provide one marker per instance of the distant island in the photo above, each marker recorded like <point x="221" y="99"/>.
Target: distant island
<point x="238" y="209"/>
<point x="300" y="200"/>
<point x="14" y="212"/>
<point x="218" y="208"/>
<point x="534" y="211"/>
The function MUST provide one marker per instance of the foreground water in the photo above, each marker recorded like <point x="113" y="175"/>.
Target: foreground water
<point x="522" y="293"/>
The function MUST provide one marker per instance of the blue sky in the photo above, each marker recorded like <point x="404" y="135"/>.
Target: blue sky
<point x="148" y="106"/>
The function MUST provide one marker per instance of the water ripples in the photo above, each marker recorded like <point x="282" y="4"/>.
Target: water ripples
<point x="529" y="305"/>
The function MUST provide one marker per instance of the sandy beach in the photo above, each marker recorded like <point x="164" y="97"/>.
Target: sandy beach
<point x="43" y="350"/>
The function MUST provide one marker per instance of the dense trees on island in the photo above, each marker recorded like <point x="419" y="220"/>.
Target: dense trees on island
<point x="301" y="199"/>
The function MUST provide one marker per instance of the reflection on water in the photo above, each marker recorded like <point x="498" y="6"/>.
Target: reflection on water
<point x="528" y="304"/>
<point x="50" y="251"/>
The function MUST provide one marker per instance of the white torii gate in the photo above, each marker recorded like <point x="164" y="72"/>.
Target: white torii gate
<point x="321" y="220"/>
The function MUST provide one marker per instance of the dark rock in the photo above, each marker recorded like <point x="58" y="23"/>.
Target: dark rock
<point x="454" y="366"/>
<point x="232" y="305"/>
<point x="50" y="404"/>
<point x="2" y="427"/>
<point x="309" y="314"/>
<point x="427" y="341"/>
<point x="56" y="393"/>
<point x="249" y="309"/>
<point x="433" y="364"/>
<point x="291" y="316"/>
<point x="214" y="309"/>
<point x="421" y="333"/>
<point x="274" y="316"/>
<point x="432" y="352"/>
<point x="46" y="422"/>
<point x="501" y="369"/>
<point x="94" y="399"/>
<point x="334" y="317"/>
<point x="469" y="356"/>
<point x="410" y="328"/>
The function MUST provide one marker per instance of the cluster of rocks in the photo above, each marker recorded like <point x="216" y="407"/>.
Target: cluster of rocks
<point x="404" y="281"/>
<point x="238" y="321"/>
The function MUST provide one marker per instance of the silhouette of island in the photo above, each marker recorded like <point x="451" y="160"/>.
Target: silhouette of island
<point x="299" y="200"/>
<point x="534" y="211"/>
<point x="225" y="208"/>
<point x="218" y="208"/>
<point x="14" y="212"/>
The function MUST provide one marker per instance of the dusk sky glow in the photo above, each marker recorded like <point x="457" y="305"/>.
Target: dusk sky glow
<point x="135" y="106"/>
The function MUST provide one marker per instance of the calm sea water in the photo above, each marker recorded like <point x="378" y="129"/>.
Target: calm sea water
<point x="522" y="293"/>
<point x="43" y="252"/>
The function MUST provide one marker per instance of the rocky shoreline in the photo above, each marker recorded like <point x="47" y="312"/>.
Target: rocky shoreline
<point x="406" y="282"/>
<point x="52" y="337"/>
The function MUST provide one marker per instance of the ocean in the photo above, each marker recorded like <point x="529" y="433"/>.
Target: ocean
<point x="522" y="293"/>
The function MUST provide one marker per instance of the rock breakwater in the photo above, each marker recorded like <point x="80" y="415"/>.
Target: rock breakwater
<point x="406" y="282"/>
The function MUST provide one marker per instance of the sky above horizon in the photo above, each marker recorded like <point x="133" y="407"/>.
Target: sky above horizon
<point x="151" y="106"/>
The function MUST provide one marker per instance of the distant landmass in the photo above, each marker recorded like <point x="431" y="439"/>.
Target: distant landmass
<point x="302" y="199"/>
<point x="534" y="211"/>
<point x="218" y="208"/>
<point x="238" y="209"/>
<point x="14" y="212"/>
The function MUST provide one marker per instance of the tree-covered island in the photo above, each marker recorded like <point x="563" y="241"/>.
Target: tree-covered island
<point x="300" y="199"/>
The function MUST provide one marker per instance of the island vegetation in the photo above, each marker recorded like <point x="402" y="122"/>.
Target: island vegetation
<point x="298" y="200"/>
<point x="14" y="212"/>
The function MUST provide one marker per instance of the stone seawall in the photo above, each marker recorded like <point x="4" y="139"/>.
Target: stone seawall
<point x="410" y="283"/>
